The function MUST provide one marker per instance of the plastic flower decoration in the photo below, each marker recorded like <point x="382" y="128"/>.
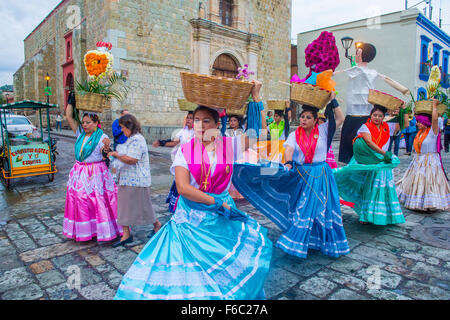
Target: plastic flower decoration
<point x="243" y="73"/>
<point x="98" y="63"/>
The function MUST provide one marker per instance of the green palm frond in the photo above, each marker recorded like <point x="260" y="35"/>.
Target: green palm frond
<point x="113" y="86"/>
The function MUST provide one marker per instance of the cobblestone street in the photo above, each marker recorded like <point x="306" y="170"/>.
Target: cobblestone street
<point x="412" y="260"/>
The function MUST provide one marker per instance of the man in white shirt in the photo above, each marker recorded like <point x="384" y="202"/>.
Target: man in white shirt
<point x="362" y="79"/>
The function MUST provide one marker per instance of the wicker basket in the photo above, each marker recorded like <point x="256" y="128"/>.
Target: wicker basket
<point x="307" y="94"/>
<point x="426" y="106"/>
<point x="276" y="104"/>
<point x="238" y="112"/>
<point x="186" y="105"/>
<point x="92" y="102"/>
<point x="216" y="92"/>
<point x="385" y="100"/>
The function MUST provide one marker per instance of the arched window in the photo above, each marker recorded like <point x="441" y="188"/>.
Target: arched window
<point x="68" y="52"/>
<point x="226" y="12"/>
<point x="225" y="66"/>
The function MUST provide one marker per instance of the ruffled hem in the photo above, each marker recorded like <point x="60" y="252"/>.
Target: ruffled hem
<point x="87" y="230"/>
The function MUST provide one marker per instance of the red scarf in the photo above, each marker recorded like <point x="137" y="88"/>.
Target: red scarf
<point x="379" y="136"/>
<point x="307" y="144"/>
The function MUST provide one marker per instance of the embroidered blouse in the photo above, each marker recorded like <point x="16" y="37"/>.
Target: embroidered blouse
<point x="321" y="149"/>
<point x="96" y="155"/>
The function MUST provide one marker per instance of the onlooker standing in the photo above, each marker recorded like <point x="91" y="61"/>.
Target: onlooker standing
<point x="446" y="132"/>
<point x="59" y="120"/>
<point x="119" y="137"/>
<point x="134" y="195"/>
<point x="410" y="134"/>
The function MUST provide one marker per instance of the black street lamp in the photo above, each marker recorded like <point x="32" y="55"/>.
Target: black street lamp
<point x="347" y="43"/>
<point x="47" y="89"/>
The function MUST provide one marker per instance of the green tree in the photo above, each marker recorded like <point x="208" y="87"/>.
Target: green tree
<point x="2" y="98"/>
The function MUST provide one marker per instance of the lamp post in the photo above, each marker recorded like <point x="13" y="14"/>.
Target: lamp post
<point x="347" y="43"/>
<point x="48" y="92"/>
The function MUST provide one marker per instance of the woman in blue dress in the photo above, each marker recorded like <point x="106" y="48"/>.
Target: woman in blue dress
<point x="209" y="249"/>
<point x="301" y="197"/>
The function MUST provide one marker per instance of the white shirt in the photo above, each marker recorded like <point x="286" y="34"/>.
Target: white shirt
<point x="180" y="160"/>
<point x="365" y="129"/>
<point x="96" y="155"/>
<point x="136" y="175"/>
<point x="320" y="154"/>
<point x="362" y="79"/>
<point x="183" y="135"/>
<point x="429" y="145"/>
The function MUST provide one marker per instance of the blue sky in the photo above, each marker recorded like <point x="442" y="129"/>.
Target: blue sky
<point x="19" y="17"/>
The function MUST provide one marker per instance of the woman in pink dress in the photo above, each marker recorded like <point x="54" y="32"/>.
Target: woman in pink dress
<point x="91" y="199"/>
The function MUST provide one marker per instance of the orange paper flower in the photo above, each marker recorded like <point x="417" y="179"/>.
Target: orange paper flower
<point x="97" y="63"/>
<point x="324" y="80"/>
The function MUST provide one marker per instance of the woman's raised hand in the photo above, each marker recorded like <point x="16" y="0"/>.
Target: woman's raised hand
<point x="256" y="90"/>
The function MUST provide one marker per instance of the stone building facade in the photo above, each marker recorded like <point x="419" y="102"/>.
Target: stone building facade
<point x="153" y="41"/>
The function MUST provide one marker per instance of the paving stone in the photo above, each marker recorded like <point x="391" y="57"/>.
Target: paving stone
<point x="436" y="272"/>
<point x="344" y="294"/>
<point x="64" y="262"/>
<point x="343" y="279"/>
<point x="278" y="281"/>
<point x="28" y="222"/>
<point x="50" y="278"/>
<point x="366" y="260"/>
<point x="433" y="261"/>
<point x="15" y="278"/>
<point x="439" y="253"/>
<point x="61" y="292"/>
<point x="55" y="250"/>
<point x="57" y="229"/>
<point x="413" y="255"/>
<point x="10" y="262"/>
<point x="352" y="243"/>
<point x="305" y="267"/>
<point x="377" y="255"/>
<point x="24" y="245"/>
<point x="104" y="268"/>
<point x="88" y="275"/>
<point x="13" y="236"/>
<point x="398" y="242"/>
<point x="417" y="290"/>
<point x="49" y="241"/>
<point x="6" y="248"/>
<point x="41" y="267"/>
<point x="99" y="291"/>
<point x="114" y="278"/>
<point x="386" y="295"/>
<point x="387" y="280"/>
<point x="346" y="265"/>
<point x="319" y="287"/>
<point x="120" y="258"/>
<point x="30" y="292"/>
<point x="138" y="248"/>
<point x="94" y="260"/>
<point x="297" y="294"/>
<point x="406" y="273"/>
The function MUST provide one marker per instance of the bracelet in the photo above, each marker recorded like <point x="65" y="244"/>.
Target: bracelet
<point x="334" y="103"/>
<point x="289" y="162"/>
<point x="162" y="143"/>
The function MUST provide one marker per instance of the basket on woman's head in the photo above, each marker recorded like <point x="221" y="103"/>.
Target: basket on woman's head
<point x="276" y="104"/>
<point x="310" y="95"/>
<point x="216" y="92"/>
<point x="385" y="100"/>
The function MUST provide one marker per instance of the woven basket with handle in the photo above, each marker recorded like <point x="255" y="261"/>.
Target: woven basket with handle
<point x="276" y="104"/>
<point x="92" y="102"/>
<point x="186" y="105"/>
<point x="216" y="92"/>
<point x="426" y="106"/>
<point x="305" y="93"/>
<point x="385" y="100"/>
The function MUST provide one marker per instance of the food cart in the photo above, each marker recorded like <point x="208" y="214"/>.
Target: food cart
<point x="25" y="155"/>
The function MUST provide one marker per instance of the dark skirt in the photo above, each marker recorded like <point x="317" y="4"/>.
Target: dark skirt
<point x="348" y="133"/>
<point x="172" y="198"/>
<point x="134" y="206"/>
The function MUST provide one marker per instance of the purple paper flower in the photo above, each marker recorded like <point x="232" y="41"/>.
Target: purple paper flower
<point x="243" y="73"/>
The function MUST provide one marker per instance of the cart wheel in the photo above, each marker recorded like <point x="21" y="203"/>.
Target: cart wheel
<point x="5" y="166"/>
<point x="51" y="177"/>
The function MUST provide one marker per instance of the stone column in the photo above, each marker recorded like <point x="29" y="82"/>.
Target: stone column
<point x="252" y="54"/>
<point x="202" y="47"/>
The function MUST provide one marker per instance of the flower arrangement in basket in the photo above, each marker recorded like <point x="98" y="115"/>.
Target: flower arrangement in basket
<point x="102" y="84"/>
<point x="434" y="91"/>
<point x="322" y="58"/>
